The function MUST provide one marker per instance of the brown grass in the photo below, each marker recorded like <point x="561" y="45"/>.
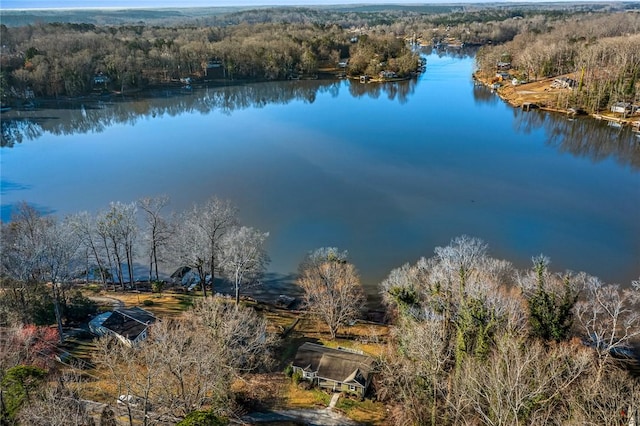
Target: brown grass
<point x="162" y="305"/>
<point x="262" y="391"/>
<point x="300" y="398"/>
<point x="367" y="411"/>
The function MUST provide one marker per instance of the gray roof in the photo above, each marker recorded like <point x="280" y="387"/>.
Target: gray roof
<point x="334" y="364"/>
<point x="129" y="322"/>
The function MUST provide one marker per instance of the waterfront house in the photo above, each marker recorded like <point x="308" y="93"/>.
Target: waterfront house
<point x="564" y="83"/>
<point x="336" y="370"/>
<point x="387" y="74"/>
<point x="623" y="108"/>
<point x="100" y="78"/>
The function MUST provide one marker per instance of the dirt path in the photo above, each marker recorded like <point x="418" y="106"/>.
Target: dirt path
<point x="108" y="301"/>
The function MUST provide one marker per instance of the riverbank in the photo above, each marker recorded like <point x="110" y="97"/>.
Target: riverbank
<point x="542" y="95"/>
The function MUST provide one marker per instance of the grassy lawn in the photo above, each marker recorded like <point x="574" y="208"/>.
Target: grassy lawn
<point x="300" y="398"/>
<point x="161" y="305"/>
<point x="367" y="411"/>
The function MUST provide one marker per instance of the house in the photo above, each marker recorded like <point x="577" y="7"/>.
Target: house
<point x="387" y="74"/>
<point x="564" y="83"/>
<point x="623" y="108"/>
<point x="337" y="370"/>
<point x="100" y="78"/>
<point x="129" y="325"/>
<point x="188" y="277"/>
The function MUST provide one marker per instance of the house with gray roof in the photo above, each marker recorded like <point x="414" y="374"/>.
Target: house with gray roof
<point x="129" y="325"/>
<point x="336" y="370"/>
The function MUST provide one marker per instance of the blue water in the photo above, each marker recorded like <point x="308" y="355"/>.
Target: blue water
<point x="386" y="172"/>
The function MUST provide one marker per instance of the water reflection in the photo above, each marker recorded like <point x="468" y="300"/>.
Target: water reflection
<point x="582" y="136"/>
<point x="484" y="94"/>
<point x="94" y="115"/>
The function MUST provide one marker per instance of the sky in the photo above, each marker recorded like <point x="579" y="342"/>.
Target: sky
<point x="152" y="4"/>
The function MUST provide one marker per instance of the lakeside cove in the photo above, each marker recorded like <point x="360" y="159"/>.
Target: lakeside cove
<point x="387" y="199"/>
<point x="542" y="93"/>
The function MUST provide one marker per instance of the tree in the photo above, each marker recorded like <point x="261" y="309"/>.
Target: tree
<point x="332" y="289"/>
<point x="85" y="227"/>
<point x="244" y="257"/>
<point x="60" y="263"/>
<point x="187" y="363"/>
<point x="42" y="250"/>
<point x="522" y="381"/>
<point x="609" y="318"/>
<point x="158" y="230"/>
<point x="18" y="386"/>
<point x="58" y="405"/>
<point x="199" y="235"/>
<point x="238" y="333"/>
<point x="118" y="229"/>
<point x="550" y="300"/>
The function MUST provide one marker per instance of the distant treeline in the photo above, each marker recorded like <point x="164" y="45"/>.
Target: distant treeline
<point x="75" y="58"/>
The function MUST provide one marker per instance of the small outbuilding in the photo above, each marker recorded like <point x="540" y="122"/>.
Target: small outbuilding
<point x="336" y="370"/>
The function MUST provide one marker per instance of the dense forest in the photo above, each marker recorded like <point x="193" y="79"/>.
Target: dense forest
<point x="73" y="59"/>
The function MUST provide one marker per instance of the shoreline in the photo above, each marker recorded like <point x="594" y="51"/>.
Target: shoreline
<point x="536" y="94"/>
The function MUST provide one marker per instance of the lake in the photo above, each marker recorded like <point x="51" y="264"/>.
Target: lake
<point x="385" y="171"/>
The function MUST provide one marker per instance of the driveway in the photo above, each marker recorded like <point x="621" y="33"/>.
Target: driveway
<point x="308" y="417"/>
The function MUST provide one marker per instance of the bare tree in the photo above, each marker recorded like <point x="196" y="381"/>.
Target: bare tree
<point x="58" y="405"/>
<point x="158" y="230"/>
<point x="241" y="335"/>
<point x="85" y="226"/>
<point x="522" y="382"/>
<point x="244" y="257"/>
<point x="332" y="288"/>
<point x="118" y="229"/>
<point x="609" y="317"/>
<point x="119" y="363"/>
<point x="187" y="363"/>
<point x="191" y="367"/>
<point x="199" y="235"/>
<point x="41" y="250"/>
<point x="60" y="263"/>
<point x="415" y="370"/>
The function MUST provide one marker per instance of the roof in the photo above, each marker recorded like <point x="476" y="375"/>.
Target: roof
<point x="129" y="322"/>
<point x="334" y="364"/>
<point x="622" y="104"/>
